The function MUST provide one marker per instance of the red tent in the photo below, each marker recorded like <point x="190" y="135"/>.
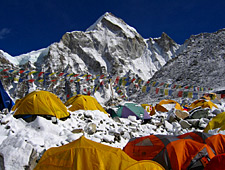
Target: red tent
<point x="216" y="163"/>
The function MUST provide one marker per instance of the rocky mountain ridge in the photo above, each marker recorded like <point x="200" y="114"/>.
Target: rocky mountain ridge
<point x="200" y="64"/>
<point x="113" y="48"/>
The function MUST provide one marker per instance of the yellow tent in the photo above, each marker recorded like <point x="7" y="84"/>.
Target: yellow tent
<point x="146" y="165"/>
<point x="84" y="154"/>
<point x="209" y="96"/>
<point x="177" y="105"/>
<point x="40" y="103"/>
<point x="202" y="103"/>
<point x="84" y="102"/>
<point x="147" y="107"/>
<point x="217" y="122"/>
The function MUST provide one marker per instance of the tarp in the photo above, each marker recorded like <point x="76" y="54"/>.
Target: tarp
<point x="83" y="102"/>
<point x="5" y="100"/>
<point x="217" y="122"/>
<point x="131" y="109"/>
<point x="84" y="154"/>
<point x="170" y="151"/>
<point x="40" y="103"/>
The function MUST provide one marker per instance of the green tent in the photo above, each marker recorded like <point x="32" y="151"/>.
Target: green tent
<point x="131" y="109"/>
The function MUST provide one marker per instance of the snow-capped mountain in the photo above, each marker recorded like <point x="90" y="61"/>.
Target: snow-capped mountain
<point x="109" y="46"/>
<point x="112" y="47"/>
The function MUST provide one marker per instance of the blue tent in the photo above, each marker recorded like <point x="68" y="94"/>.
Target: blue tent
<point x="5" y="100"/>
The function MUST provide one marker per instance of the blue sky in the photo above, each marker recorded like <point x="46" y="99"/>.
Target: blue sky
<point x="27" y="25"/>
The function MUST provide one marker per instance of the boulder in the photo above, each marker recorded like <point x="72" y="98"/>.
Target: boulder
<point x="199" y="113"/>
<point x="90" y="128"/>
<point x="203" y="122"/>
<point x="168" y="126"/>
<point x="78" y="131"/>
<point x="184" y="124"/>
<point x="2" y="166"/>
<point x="193" y="122"/>
<point x="181" y="114"/>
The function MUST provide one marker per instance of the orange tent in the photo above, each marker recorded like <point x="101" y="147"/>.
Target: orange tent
<point x="158" y="108"/>
<point x="216" y="142"/>
<point x="170" y="151"/>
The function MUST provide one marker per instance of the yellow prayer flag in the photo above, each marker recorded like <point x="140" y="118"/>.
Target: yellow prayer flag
<point x="124" y="82"/>
<point x="41" y="80"/>
<point x="166" y="92"/>
<point x="144" y="89"/>
<point x="70" y="74"/>
<point x="16" y="79"/>
<point x="84" y="75"/>
<point x="153" y="84"/>
<point x="32" y="72"/>
<point x="51" y="74"/>
<point x="190" y="95"/>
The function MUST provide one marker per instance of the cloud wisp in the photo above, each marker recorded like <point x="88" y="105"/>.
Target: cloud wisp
<point x="4" y="32"/>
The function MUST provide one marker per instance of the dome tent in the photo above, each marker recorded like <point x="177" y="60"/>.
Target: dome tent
<point x="216" y="142"/>
<point x="216" y="163"/>
<point x="202" y="103"/>
<point x="83" y="154"/>
<point x="5" y="100"/>
<point x="166" y="150"/>
<point x="131" y="109"/>
<point x="83" y="102"/>
<point x="42" y="103"/>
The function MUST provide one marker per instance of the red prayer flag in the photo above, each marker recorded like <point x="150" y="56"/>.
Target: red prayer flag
<point x="157" y="90"/>
<point x="75" y="75"/>
<point x="222" y="95"/>
<point x="101" y="76"/>
<point x="60" y="74"/>
<point x="31" y="80"/>
<point x="21" y="71"/>
<point x="40" y="74"/>
<point x="180" y="94"/>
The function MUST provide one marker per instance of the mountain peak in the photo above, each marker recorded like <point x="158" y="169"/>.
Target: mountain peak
<point x="114" y="24"/>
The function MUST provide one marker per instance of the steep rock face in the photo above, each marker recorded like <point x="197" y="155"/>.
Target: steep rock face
<point x="201" y="62"/>
<point x="162" y="50"/>
<point x="5" y="63"/>
<point x="109" y="46"/>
